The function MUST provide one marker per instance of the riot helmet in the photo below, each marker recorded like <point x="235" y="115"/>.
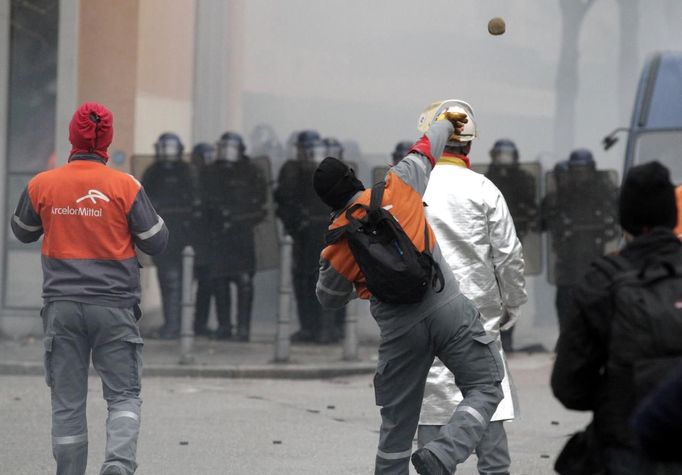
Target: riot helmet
<point x="401" y="150"/>
<point x="203" y="153"/>
<point x="310" y="146"/>
<point x="581" y="157"/>
<point x="581" y="166"/>
<point x="333" y="148"/>
<point x="168" y="147"/>
<point x="230" y="147"/>
<point x="504" y="152"/>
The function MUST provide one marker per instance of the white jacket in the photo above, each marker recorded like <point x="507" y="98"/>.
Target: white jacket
<point x="477" y="237"/>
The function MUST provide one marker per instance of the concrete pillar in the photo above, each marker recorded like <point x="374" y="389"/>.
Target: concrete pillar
<point x="218" y="64"/>
<point x="67" y="75"/>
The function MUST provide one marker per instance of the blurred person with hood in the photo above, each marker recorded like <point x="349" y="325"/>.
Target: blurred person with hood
<point x="476" y="234"/>
<point x="440" y="322"/>
<point x="92" y="218"/>
<point x="623" y="336"/>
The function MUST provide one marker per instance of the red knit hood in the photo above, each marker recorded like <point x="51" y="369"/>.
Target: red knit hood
<point x="91" y="130"/>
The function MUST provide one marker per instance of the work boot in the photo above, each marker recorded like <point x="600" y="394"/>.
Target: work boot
<point x="428" y="464"/>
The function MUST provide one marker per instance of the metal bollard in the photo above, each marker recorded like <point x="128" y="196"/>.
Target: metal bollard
<point x="283" y="337"/>
<point x="186" y="323"/>
<point x="350" y="340"/>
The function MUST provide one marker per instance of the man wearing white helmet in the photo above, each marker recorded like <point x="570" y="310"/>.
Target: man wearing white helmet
<point x="476" y="233"/>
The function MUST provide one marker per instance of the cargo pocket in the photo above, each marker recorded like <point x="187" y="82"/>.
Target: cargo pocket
<point x="135" y="343"/>
<point x="47" y="359"/>
<point x="495" y="361"/>
<point x="379" y="383"/>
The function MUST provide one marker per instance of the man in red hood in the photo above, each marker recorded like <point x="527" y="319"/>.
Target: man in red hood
<point x="92" y="218"/>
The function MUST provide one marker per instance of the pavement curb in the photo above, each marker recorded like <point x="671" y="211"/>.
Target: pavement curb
<point x="269" y="371"/>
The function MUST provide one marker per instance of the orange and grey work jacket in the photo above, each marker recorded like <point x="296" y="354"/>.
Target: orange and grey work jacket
<point x="340" y="277"/>
<point x="92" y="217"/>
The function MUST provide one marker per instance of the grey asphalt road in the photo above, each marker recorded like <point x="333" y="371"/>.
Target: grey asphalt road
<point x="223" y="426"/>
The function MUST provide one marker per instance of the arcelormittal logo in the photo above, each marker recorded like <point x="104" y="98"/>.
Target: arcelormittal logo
<point x="94" y="195"/>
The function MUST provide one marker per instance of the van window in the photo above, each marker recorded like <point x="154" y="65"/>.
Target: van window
<point x="665" y="108"/>
<point x="664" y="146"/>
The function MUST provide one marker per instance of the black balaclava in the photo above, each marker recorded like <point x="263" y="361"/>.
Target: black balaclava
<point x="335" y="183"/>
<point x="647" y="199"/>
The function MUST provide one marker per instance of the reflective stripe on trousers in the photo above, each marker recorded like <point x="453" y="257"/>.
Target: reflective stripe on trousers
<point x="70" y="439"/>
<point x="394" y="455"/>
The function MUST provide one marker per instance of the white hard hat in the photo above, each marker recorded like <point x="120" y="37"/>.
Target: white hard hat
<point x="435" y="109"/>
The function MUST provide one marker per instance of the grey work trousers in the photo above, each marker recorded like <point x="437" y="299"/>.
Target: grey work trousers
<point x="454" y="334"/>
<point x="492" y="450"/>
<point x="72" y="332"/>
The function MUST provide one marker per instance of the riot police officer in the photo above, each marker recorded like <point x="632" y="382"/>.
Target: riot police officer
<point x="203" y="154"/>
<point x="169" y="186"/>
<point x="516" y="184"/>
<point x="518" y="188"/>
<point x="234" y="197"/>
<point x="581" y="217"/>
<point x="305" y="218"/>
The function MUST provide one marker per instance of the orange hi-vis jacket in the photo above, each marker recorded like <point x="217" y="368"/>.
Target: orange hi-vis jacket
<point x="92" y="217"/>
<point x="340" y="278"/>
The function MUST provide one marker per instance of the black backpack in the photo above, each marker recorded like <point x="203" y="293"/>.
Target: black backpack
<point x="646" y="331"/>
<point x="395" y="271"/>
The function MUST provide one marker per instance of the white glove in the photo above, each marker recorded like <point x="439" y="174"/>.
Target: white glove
<point x="511" y="316"/>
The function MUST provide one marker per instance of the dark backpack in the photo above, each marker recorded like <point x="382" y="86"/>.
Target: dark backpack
<point x="395" y="271"/>
<point x="646" y="330"/>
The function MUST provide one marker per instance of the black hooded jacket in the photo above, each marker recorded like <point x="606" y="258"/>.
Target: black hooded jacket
<point x="579" y="379"/>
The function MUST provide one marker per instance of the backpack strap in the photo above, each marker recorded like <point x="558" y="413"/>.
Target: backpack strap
<point x="334" y="235"/>
<point x="377" y="195"/>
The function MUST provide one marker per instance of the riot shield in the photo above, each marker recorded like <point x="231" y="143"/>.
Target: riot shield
<point x="580" y="217"/>
<point x="265" y="233"/>
<point x="520" y="186"/>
